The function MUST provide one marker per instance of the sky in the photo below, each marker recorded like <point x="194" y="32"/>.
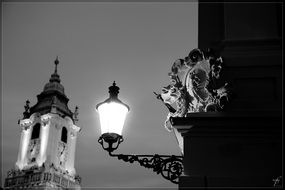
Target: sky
<point x="132" y="43"/>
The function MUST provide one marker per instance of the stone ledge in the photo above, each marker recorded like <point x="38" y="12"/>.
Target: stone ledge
<point x="230" y="124"/>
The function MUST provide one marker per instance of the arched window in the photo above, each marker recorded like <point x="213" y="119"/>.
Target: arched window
<point x="64" y="135"/>
<point x="36" y="131"/>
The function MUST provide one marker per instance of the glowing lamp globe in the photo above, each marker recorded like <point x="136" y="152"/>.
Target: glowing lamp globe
<point x="112" y="114"/>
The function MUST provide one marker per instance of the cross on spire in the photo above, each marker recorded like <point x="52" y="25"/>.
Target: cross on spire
<point x="56" y="62"/>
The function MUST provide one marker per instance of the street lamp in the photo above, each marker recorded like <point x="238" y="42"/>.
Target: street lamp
<point x="112" y="114"/>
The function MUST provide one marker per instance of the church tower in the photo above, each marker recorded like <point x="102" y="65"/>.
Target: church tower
<point x="48" y="141"/>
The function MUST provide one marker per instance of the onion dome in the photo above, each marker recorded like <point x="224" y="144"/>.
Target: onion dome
<point x="52" y="99"/>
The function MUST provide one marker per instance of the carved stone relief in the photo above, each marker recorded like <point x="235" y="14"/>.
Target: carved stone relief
<point x="196" y="85"/>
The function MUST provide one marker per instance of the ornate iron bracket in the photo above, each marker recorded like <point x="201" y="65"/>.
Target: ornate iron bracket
<point x="169" y="166"/>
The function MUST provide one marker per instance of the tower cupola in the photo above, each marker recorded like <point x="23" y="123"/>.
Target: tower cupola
<point x="52" y="98"/>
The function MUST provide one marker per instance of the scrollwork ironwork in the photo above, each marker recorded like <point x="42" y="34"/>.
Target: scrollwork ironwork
<point x="170" y="167"/>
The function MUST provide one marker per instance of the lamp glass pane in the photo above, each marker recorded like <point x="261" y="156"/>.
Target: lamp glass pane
<point x="112" y="117"/>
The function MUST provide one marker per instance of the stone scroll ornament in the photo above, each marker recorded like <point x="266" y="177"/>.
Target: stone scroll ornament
<point x="196" y="86"/>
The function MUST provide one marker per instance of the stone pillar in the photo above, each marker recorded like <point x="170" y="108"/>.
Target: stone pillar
<point x="241" y="147"/>
<point x="26" y="131"/>
<point x="248" y="37"/>
<point x="45" y="127"/>
<point x="231" y="149"/>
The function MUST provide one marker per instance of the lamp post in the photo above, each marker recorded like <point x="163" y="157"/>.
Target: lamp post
<point x="112" y="114"/>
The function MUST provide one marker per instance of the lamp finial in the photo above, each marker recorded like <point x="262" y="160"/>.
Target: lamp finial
<point x="114" y="90"/>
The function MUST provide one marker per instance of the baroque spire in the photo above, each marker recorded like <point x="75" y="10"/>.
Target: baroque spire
<point x="55" y="77"/>
<point x="56" y="62"/>
<point x="53" y="98"/>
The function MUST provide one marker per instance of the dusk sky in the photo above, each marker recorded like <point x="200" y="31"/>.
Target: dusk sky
<point x="133" y="43"/>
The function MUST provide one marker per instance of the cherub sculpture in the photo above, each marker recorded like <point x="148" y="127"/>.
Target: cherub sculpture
<point x="196" y="85"/>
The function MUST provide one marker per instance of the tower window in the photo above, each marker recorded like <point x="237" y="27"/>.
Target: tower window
<point x="64" y="135"/>
<point x="36" y="131"/>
